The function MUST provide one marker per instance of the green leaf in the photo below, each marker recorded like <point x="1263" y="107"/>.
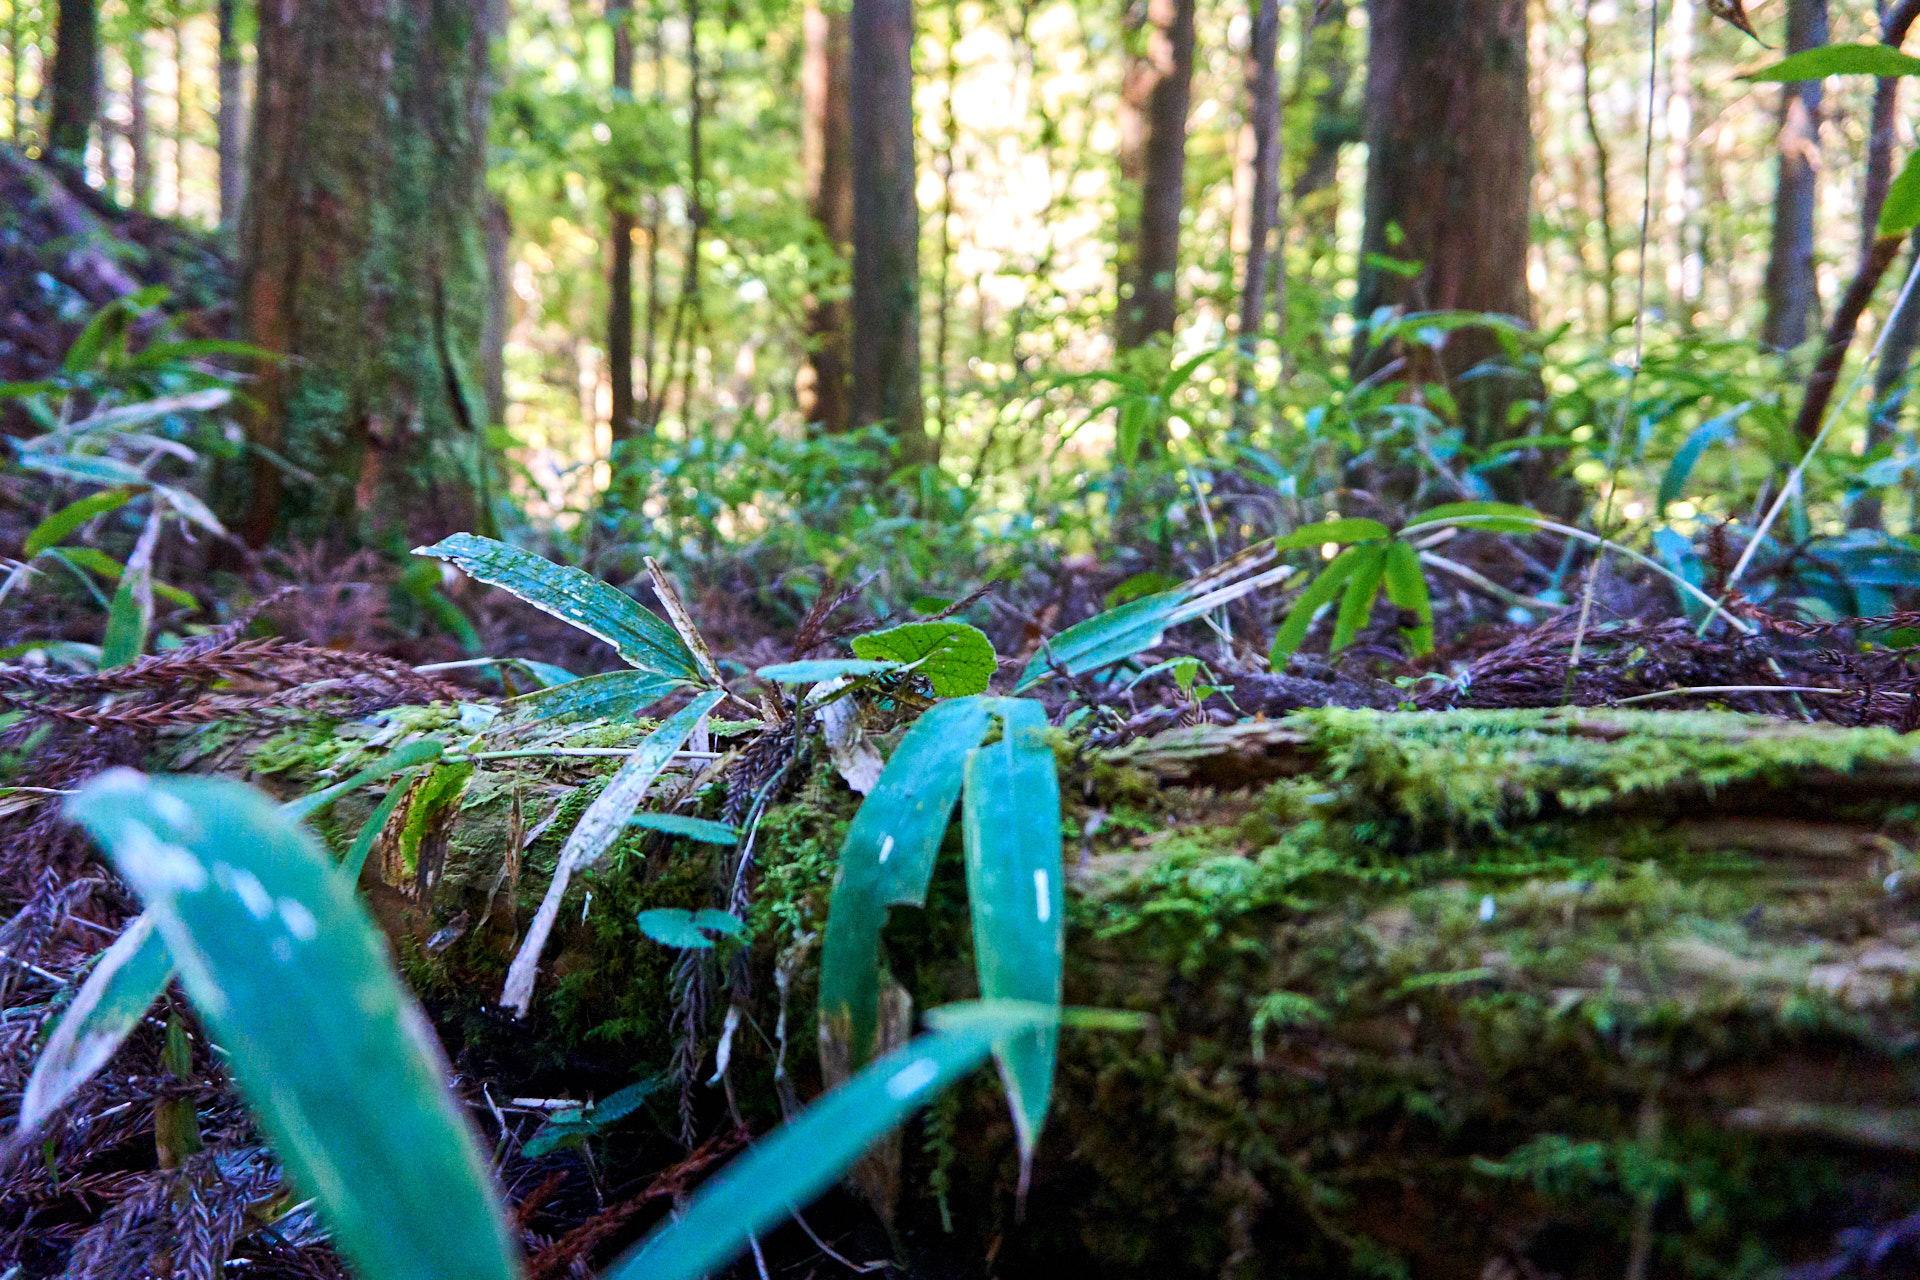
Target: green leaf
<point x="815" y="670"/>
<point x="788" y="1168"/>
<point x="1319" y="592"/>
<point x="1339" y="532"/>
<point x="615" y="695"/>
<point x="88" y="468"/>
<point x="675" y="824"/>
<point x="676" y="927"/>
<point x="122" y="985"/>
<point x="572" y="1127"/>
<point x="333" y="1056"/>
<point x="1494" y="517"/>
<point x="1407" y="587"/>
<point x="70" y="517"/>
<point x="642" y="639"/>
<point x="596" y="831"/>
<point x="126" y="636"/>
<point x="1356" y="605"/>
<point x="376" y="823"/>
<point x="1687" y="456"/>
<point x="1839" y="60"/>
<point x="550" y="675"/>
<point x="1105" y="638"/>
<point x="956" y="659"/>
<point x="887" y="858"/>
<point x="1011" y="821"/>
<point x="90" y="558"/>
<point x="1901" y="211"/>
<point x="425" y="751"/>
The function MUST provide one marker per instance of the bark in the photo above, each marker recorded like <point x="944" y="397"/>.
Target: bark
<point x="1263" y="113"/>
<point x="687" y="311"/>
<point x="1448" y="174"/>
<point x="620" y="228"/>
<point x="654" y="386"/>
<point x="1153" y="161"/>
<point x="364" y="265"/>
<point x="1792" y="292"/>
<point x="229" y="121"/>
<point x="1326" y="70"/>
<point x="885" y="359"/>
<point x="493" y="338"/>
<point x="74" y="83"/>
<point x="139" y="123"/>
<point x="826" y="151"/>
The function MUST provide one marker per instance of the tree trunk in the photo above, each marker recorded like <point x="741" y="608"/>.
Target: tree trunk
<point x="1602" y="166"/>
<point x="364" y="264"/>
<point x="183" y="100"/>
<point x="885" y="362"/>
<point x="232" y="141"/>
<point x="1682" y="199"/>
<point x="493" y="338"/>
<point x="825" y="144"/>
<point x="1792" y="293"/>
<point x="1448" y="170"/>
<point x="620" y="226"/>
<point x="1326" y="70"/>
<point x="74" y="84"/>
<point x="16" y="61"/>
<point x="139" y="123"/>
<point x="1263" y="113"/>
<point x="1153" y="164"/>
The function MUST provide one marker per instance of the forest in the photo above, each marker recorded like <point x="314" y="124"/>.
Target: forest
<point x="966" y="639"/>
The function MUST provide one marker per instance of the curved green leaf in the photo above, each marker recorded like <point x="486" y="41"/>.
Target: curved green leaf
<point x="122" y="985"/>
<point x="1356" y="604"/>
<point x="676" y="824"/>
<point x="580" y="599"/>
<point x="678" y="927"/>
<point x="817" y="670"/>
<point x="376" y="823"/>
<point x="1011" y="821"/>
<point x="1687" y="456"/>
<point x="1407" y="587"/>
<point x="1105" y="638"/>
<point x="425" y="751"/>
<point x="1901" y="211"/>
<point x="788" y="1168"/>
<point x="334" y="1057"/>
<point x="1839" y="60"/>
<point x="1339" y="532"/>
<point x="957" y="659"/>
<point x="1320" y="592"/>
<point x="1494" y="517"/>
<point x="70" y="517"/>
<point x="614" y="695"/>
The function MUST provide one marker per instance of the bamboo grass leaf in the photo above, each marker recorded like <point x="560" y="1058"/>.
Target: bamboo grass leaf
<point x="425" y="751"/>
<point x="613" y="695"/>
<point x="1339" y="532"/>
<point x="1356" y="604"/>
<point x="1319" y="592"/>
<point x="1407" y="587"/>
<point x="334" y="1057"/>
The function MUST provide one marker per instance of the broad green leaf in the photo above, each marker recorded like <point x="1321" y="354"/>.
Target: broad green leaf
<point x="795" y="1163"/>
<point x="1339" y="532"/>
<point x="1011" y="821"/>
<point x="615" y="695"/>
<point x="90" y="558"/>
<point x="596" y="831"/>
<point x="1105" y="638"/>
<point x="1494" y="517"/>
<point x="88" y="468"/>
<point x="1407" y="587"/>
<point x="676" y="824"/>
<point x="333" y="1056"/>
<point x="956" y="659"/>
<point x="550" y="675"/>
<point x="1687" y="456"/>
<point x="122" y="985"/>
<point x="126" y="634"/>
<point x="1356" y="604"/>
<point x="70" y="517"/>
<point x="574" y="597"/>
<point x="1319" y="593"/>
<point x="425" y="751"/>
<point x="688" y="930"/>
<point x="817" y="670"/>
<point x="887" y="858"/>
<point x="1839" y="60"/>
<point x="566" y="1128"/>
<point x="1901" y="211"/>
<point x="376" y="823"/>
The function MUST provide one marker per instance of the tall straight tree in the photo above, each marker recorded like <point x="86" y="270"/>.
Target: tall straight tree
<point x="1448" y="170"/>
<point x="1154" y="98"/>
<point x="1263" y="115"/>
<point x="1792" y="295"/>
<point x="620" y="226"/>
<point x="363" y="265"/>
<point x="885" y="373"/>
<point x="74" y="89"/>
<point x="228" y="122"/>
<point x="826" y="141"/>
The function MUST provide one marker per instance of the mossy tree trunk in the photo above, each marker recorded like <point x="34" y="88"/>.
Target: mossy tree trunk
<point x="74" y="86"/>
<point x="364" y="265"/>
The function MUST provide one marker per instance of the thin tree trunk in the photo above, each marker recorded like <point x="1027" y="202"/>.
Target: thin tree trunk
<point x="655" y="386"/>
<point x="139" y="123"/>
<point x="620" y="226"/>
<point x="1602" y="165"/>
<point x="943" y="305"/>
<point x="1326" y="70"/>
<point x="825" y="147"/>
<point x="16" y="62"/>
<point x="230" y="121"/>
<point x="697" y="218"/>
<point x="1153" y="159"/>
<point x="886" y="227"/>
<point x="1682" y="201"/>
<point x="1792" y="292"/>
<point x="1263" y="112"/>
<point x="182" y="114"/>
<point x="74" y="85"/>
<point x="493" y="334"/>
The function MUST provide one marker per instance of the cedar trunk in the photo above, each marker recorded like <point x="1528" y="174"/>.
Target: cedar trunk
<point x="364" y="265"/>
<point x="233" y="177"/>
<point x="75" y="82"/>
<point x="885" y="371"/>
<point x="1263" y="114"/>
<point x="1448" y="171"/>
<point x="1792" y="295"/>
<point x="1153" y="163"/>
<point x="620" y="226"/>
<point x="826" y="144"/>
